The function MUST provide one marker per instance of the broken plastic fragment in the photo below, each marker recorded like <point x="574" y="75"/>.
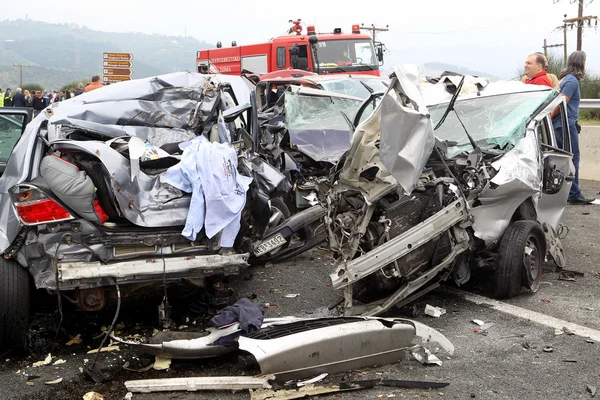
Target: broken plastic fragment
<point x="591" y="390"/>
<point x="161" y="364"/>
<point x="93" y="396"/>
<point x="59" y="362"/>
<point x="54" y="382"/>
<point x="424" y="356"/>
<point x="104" y="349"/>
<point x="568" y="331"/>
<point x="76" y="340"/>
<point x="317" y="378"/>
<point x="292" y="295"/>
<point x="435" y="312"/>
<point x="44" y="362"/>
<point x="478" y="322"/>
<point x="548" y="349"/>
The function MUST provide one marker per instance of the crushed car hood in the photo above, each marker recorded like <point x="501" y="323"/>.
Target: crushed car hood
<point x="394" y="143"/>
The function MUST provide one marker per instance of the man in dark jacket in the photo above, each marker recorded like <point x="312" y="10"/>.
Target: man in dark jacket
<point x="7" y="98"/>
<point x="19" y="99"/>
<point x="39" y="103"/>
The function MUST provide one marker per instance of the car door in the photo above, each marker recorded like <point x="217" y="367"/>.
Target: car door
<point x="12" y="125"/>
<point x="558" y="170"/>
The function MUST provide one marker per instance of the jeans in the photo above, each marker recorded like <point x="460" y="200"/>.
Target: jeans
<point x="575" y="191"/>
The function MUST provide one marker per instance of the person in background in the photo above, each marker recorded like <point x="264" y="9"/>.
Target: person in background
<point x="1" y="98"/>
<point x="19" y="99"/>
<point x="7" y="98"/>
<point x="39" y="102"/>
<point x="569" y="87"/>
<point x="552" y="77"/>
<point x="79" y="89"/>
<point x="95" y="84"/>
<point x="535" y="70"/>
<point x="27" y="97"/>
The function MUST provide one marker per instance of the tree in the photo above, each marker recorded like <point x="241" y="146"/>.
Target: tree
<point x="32" y="87"/>
<point x="73" y="85"/>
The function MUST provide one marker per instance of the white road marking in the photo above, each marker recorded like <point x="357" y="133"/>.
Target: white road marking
<point x="533" y="316"/>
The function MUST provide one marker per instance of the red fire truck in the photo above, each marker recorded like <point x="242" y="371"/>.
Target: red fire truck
<point x="322" y="53"/>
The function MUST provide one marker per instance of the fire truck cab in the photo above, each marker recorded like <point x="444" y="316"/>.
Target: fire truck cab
<point x="322" y="53"/>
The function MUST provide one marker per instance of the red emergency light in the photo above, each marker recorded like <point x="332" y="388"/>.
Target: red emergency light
<point x="355" y="28"/>
<point x="310" y="30"/>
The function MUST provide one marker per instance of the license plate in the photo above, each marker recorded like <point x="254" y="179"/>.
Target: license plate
<point x="270" y="244"/>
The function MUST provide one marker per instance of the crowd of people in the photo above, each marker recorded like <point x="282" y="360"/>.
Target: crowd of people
<point x="41" y="99"/>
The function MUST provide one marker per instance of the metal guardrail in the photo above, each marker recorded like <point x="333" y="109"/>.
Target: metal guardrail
<point x="589" y="104"/>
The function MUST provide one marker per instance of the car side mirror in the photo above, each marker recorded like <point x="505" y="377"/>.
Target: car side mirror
<point x="294" y="56"/>
<point x="379" y="52"/>
<point x="553" y="179"/>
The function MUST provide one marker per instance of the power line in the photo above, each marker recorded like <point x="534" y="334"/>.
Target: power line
<point x="502" y="24"/>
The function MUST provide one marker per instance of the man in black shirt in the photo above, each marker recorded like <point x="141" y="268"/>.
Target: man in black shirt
<point x="39" y="103"/>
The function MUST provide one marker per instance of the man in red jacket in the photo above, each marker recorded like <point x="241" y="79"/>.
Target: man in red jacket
<point x="535" y="71"/>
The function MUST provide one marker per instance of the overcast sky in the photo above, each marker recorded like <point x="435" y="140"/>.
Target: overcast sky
<point x="494" y="36"/>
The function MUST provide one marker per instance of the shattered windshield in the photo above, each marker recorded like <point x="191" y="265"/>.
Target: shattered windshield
<point x="354" y="86"/>
<point x="316" y="124"/>
<point x="343" y="53"/>
<point x="494" y="121"/>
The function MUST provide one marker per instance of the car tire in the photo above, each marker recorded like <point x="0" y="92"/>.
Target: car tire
<point x="520" y="257"/>
<point x="14" y="306"/>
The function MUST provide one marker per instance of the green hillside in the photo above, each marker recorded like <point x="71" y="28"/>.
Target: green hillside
<point x="62" y="53"/>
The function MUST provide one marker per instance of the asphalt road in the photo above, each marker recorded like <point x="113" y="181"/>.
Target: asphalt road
<point x="507" y="363"/>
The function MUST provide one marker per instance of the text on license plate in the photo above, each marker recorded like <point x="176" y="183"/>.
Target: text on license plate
<point x="270" y="244"/>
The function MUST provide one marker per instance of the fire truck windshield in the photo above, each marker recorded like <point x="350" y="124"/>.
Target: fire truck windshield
<point x="347" y="55"/>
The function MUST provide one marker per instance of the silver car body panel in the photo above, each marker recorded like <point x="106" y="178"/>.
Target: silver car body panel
<point x="403" y="152"/>
<point x="357" y="342"/>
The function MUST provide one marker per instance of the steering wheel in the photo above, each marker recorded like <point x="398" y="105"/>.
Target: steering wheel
<point x="359" y="60"/>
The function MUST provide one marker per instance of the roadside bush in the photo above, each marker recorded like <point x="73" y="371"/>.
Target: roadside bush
<point x="32" y="87"/>
<point x="73" y="85"/>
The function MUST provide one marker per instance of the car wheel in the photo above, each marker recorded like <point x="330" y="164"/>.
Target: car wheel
<point x="520" y="259"/>
<point x="14" y="306"/>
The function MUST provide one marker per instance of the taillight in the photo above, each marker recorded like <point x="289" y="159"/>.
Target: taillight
<point x="36" y="207"/>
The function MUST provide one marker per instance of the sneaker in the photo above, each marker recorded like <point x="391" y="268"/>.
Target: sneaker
<point x="581" y="200"/>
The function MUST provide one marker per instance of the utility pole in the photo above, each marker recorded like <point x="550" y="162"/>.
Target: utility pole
<point x="580" y="21"/>
<point x="547" y="46"/>
<point x="579" y="24"/>
<point x="21" y="72"/>
<point x="565" y="40"/>
<point x="374" y="29"/>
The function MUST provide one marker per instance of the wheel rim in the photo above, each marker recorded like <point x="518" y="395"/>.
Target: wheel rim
<point x="532" y="263"/>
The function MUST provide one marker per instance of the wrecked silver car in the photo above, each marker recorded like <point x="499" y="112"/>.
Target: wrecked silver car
<point x="144" y="184"/>
<point x="443" y="179"/>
